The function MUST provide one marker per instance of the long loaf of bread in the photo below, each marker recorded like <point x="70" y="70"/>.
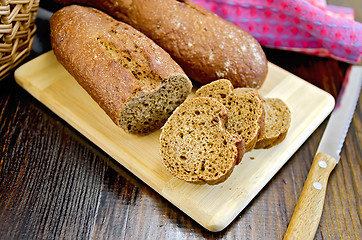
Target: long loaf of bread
<point x="206" y="46"/>
<point x="134" y="80"/>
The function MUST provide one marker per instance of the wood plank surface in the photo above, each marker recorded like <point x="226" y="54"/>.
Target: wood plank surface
<point x="214" y="207"/>
<point x="41" y="180"/>
<point x="56" y="184"/>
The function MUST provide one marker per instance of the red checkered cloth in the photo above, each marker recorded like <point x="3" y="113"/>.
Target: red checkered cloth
<point x="307" y="26"/>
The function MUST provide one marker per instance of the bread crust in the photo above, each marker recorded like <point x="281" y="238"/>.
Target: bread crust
<point x="206" y="46"/>
<point x="113" y="62"/>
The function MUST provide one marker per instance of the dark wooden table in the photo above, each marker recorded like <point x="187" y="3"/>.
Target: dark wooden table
<point x="54" y="183"/>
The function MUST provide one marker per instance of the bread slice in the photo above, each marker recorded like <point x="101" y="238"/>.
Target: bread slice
<point x="133" y="80"/>
<point x="246" y="111"/>
<point x="277" y="122"/>
<point x="196" y="147"/>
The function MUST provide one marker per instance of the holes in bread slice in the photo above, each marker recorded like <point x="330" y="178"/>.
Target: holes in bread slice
<point x="246" y="112"/>
<point x="194" y="148"/>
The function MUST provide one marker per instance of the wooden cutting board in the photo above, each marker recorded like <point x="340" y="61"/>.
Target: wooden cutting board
<point x="214" y="207"/>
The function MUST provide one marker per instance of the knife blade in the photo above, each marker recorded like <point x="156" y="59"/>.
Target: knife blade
<point x="305" y="219"/>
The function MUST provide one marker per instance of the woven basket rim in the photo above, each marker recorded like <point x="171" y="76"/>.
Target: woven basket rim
<point x="17" y="31"/>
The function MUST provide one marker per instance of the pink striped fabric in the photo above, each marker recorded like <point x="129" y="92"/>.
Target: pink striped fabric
<point x="307" y="26"/>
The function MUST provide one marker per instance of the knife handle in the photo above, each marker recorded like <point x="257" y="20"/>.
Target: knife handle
<point x="307" y="214"/>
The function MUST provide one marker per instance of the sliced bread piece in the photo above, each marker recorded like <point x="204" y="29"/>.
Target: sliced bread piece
<point x="277" y="122"/>
<point x="246" y="112"/>
<point x="196" y="147"/>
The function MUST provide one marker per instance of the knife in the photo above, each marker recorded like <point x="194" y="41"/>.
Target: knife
<point x="307" y="214"/>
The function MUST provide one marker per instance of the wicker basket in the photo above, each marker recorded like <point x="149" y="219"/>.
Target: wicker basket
<point x="17" y="29"/>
